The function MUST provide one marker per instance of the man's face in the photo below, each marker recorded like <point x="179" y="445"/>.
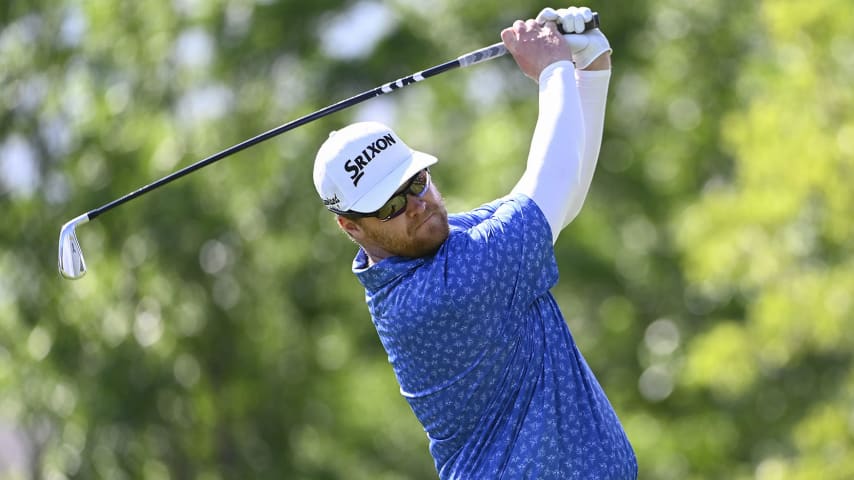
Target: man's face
<point x="420" y="230"/>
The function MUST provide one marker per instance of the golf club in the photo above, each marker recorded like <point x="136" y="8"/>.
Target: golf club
<point x="71" y="263"/>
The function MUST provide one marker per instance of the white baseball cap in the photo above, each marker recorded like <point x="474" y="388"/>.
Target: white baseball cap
<point x="359" y="167"/>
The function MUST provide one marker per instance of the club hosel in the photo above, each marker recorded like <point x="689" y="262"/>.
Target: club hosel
<point x="78" y="220"/>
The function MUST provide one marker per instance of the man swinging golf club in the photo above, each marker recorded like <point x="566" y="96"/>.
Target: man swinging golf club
<point x="461" y="302"/>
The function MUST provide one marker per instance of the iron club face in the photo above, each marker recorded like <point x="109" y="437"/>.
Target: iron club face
<point x="71" y="264"/>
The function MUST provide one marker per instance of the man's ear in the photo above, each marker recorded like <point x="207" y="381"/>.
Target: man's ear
<point x="349" y="226"/>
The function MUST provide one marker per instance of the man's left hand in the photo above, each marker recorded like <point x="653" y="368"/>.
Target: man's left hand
<point x="586" y="46"/>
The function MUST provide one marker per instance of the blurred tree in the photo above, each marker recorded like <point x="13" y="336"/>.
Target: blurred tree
<point x="774" y="239"/>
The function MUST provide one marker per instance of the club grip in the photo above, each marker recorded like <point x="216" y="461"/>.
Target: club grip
<point x="593" y="23"/>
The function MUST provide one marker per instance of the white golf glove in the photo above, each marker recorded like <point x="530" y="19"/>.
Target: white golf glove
<point x="586" y="46"/>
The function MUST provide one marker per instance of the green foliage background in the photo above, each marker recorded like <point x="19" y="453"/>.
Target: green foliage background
<point x="220" y="333"/>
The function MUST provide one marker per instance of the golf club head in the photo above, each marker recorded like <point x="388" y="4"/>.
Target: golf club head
<point x="71" y="264"/>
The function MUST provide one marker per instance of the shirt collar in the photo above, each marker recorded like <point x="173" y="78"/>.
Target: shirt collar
<point x="380" y="274"/>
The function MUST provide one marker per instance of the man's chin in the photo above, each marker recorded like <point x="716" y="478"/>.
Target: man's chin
<point x="433" y="234"/>
<point x="425" y="250"/>
<point x="438" y="234"/>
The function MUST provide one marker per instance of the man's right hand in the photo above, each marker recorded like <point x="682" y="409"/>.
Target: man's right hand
<point x="535" y="46"/>
<point x="587" y="46"/>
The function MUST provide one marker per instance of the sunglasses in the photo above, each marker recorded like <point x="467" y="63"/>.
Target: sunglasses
<point x="396" y="205"/>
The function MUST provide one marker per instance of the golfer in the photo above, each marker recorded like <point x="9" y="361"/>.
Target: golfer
<point x="461" y="302"/>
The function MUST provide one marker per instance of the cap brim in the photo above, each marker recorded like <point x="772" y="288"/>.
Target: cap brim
<point x="380" y="194"/>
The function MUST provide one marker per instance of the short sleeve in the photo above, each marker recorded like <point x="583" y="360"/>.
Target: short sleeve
<point x="503" y="262"/>
<point x="471" y="218"/>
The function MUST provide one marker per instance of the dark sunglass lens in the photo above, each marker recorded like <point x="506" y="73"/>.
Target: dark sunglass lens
<point x="392" y="208"/>
<point x="419" y="182"/>
<point x="417" y="188"/>
<point x="397" y="204"/>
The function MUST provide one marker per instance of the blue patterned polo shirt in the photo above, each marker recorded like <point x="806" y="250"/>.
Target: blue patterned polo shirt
<point x="485" y="359"/>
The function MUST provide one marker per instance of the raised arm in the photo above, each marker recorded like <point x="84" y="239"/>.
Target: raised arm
<point x="592" y="83"/>
<point x="567" y="137"/>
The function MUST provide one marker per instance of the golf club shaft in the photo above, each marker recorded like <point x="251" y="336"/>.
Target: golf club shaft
<point x="471" y="58"/>
<point x="391" y="86"/>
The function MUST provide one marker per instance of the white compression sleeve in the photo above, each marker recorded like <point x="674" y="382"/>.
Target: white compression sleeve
<point x="593" y="89"/>
<point x="553" y="172"/>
